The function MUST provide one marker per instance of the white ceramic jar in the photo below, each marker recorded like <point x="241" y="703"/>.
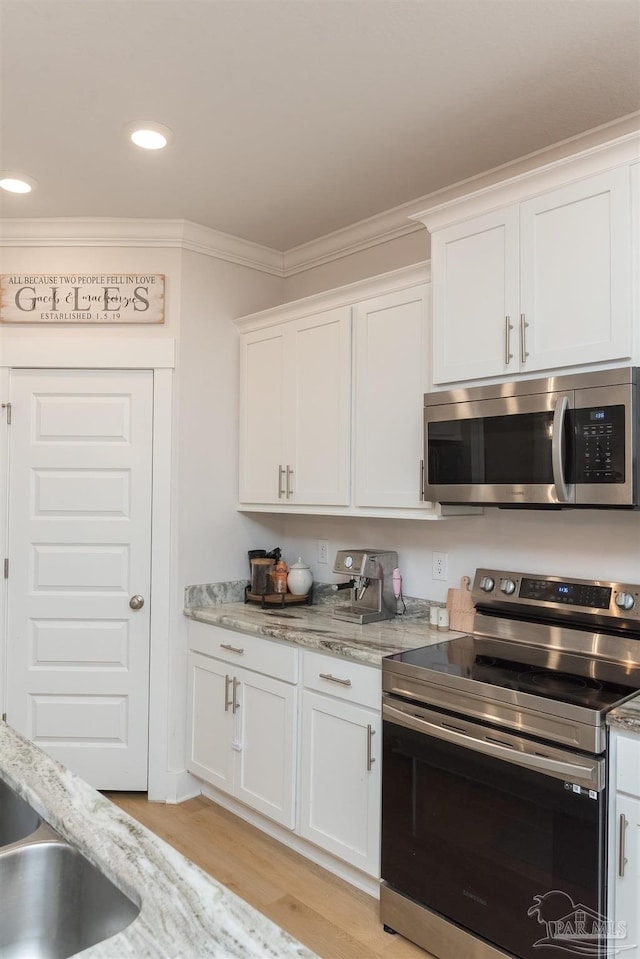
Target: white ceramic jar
<point x="299" y="579"/>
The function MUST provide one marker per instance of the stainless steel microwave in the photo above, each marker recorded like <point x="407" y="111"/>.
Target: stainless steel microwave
<point x="563" y="441"/>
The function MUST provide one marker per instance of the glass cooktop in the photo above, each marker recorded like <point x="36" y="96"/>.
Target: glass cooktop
<point x="550" y="674"/>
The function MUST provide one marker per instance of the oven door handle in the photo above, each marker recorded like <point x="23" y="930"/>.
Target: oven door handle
<point x="587" y="774"/>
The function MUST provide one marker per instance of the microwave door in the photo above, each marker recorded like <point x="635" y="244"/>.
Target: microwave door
<point x="500" y="451"/>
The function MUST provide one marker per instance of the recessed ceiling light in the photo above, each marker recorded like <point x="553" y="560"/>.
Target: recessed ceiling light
<point x="16" y="183"/>
<point x="149" y="135"/>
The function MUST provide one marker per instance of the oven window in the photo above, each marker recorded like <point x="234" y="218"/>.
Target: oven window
<point x="493" y="449"/>
<point x="477" y="839"/>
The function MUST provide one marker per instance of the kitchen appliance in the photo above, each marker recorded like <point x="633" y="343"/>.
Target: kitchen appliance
<point x="494" y="794"/>
<point x="371" y="584"/>
<point x="564" y="441"/>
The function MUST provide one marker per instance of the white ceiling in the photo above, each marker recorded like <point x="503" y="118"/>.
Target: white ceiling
<point x="295" y="118"/>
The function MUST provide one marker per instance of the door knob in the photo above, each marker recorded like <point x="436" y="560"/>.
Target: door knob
<point x="136" y="602"/>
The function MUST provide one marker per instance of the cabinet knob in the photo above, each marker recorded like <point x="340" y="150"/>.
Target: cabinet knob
<point x="136" y="602"/>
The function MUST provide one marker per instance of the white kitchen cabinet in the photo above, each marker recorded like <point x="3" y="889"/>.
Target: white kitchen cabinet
<point x="295" y="396"/>
<point x="340" y="759"/>
<point x="542" y="284"/>
<point x="391" y="346"/>
<point x="340" y="444"/>
<point x="624" y="842"/>
<point x="243" y="719"/>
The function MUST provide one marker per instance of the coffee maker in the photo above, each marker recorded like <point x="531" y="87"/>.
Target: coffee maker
<point x="370" y="584"/>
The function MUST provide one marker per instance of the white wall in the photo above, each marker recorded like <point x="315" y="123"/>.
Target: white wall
<point x="586" y="544"/>
<point x="209" y="537"/>
<point x="391" y="255"/>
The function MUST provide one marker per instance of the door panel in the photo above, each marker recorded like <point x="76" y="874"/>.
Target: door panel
<point x="80" y="461"/>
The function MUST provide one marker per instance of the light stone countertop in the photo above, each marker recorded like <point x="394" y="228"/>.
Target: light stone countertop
<point x="626" y="717"/>
<point x="314" y="627"/>
<point x="184" y="914"/>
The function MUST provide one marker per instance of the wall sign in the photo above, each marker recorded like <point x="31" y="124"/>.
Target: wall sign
<point x="82" y="298"/>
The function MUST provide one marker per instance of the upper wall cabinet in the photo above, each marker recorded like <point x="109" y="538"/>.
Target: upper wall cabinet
<point x="331" y="401"/>
<point x="295" y="411"/>
<point x="535" y="285"/>
<point x="391" y="376"/>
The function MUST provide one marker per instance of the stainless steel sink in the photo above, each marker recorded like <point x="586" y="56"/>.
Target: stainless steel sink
<point x="17" y="818"/>
<point x="54" y="902"/>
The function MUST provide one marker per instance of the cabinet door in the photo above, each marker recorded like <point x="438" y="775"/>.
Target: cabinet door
<point x="391" y="364"/>
<point x="627" y="885"/>
<point x="262" y="415"/>
<point x="266" y="746"/>
<point x="318" y="408"/>
<point x="340" y="780"/>
<point x="475" y="297"/>
<point x="575" y="258"/>
<point x="210" y="721"/>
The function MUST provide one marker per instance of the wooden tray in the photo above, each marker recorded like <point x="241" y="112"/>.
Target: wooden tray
<point x="275" y="599"/>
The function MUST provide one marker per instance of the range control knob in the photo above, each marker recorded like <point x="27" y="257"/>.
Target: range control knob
<point x="625" y="601"/>
<point x="507" y="586"/>
<point x="487" y="584"/>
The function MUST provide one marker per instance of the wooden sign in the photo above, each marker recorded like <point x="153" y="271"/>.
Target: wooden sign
<point x="82" y="298"/>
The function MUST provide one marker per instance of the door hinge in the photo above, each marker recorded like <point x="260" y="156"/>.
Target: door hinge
<point x="6" y="567"/>
<point x="7" y="407"/>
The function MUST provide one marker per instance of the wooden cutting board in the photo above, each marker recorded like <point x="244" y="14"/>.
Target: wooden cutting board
<point x="460" y="606"/>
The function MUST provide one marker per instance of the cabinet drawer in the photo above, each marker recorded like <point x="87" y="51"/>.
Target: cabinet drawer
<point x="342" y="678"/>
<point x="628" y="764"/>
<point x="265" y="656"/>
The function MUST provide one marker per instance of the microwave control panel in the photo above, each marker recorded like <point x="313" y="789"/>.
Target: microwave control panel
<point x="599" y="445"/>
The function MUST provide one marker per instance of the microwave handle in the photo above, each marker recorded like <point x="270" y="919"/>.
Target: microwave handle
<point x="557" y="442"/>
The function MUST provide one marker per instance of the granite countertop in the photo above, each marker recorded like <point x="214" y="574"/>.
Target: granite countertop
<point x="314" y="627"/>
<point x="627" y="716"/>
<point x="184" y="913"/>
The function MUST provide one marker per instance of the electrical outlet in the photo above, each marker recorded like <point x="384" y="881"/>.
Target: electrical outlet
<point x="440" y="566"/>
<point x="323" y="551"/>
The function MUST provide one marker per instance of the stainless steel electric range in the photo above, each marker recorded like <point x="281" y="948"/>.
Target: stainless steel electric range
<point x="494" y="796"/>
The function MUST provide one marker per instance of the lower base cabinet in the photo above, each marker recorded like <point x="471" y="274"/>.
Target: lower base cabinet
<point x="301" y="746"/>
<point x="243" y="724"/>
<point x="340" y="760"/>
<point x="625" y="848"/>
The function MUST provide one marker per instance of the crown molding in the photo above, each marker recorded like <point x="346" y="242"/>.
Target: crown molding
<point x="616" y="141"/>
<point x="132" y="232"/>
<point x="355" y="238"/>
<point x="404" y="278"/>
<point x="524" y="179"/>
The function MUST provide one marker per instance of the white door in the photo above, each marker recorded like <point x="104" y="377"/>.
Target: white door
<point x="392" y="354"/>
<point x="474" y="267"/>
<point x="80" y="457"/>
<point x="575" y="255"/>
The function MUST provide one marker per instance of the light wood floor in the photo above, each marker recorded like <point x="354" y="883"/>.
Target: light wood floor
<point x="325" y="913"/>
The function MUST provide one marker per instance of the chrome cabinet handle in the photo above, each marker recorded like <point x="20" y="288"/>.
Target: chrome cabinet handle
<point x="235" y="703"/>
<point x="136" y="602"/>
<point x="523" y="339"/>
<point x="280" y="489"/>
<point x="335" y="679"/>
<point x="622" y="828"/>
<point x="421" y="482"/>
<point x="370" y="760"/>
<point x="289" y="484"/>
<point x="232" y="649"/>
<point x="508" y="326"/>
<point x="227" y="701"/>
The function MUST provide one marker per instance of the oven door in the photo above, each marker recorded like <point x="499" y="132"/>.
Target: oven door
<point x="514" y="450"/>
<point x="500" y="835"/>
